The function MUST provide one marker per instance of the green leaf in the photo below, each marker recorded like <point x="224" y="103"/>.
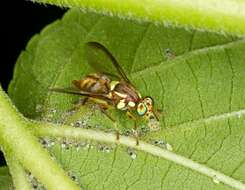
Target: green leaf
<point x="197" y="78"/>
<point x="221" y="16"/>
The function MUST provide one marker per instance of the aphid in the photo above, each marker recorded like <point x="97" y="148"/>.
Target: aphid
<point x="110" y="87"/>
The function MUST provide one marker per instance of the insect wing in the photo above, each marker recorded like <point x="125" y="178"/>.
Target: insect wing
<point x="103" y="61"/>
<point x="81" y="93"/>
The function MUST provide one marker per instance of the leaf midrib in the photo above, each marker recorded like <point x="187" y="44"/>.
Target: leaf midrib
<point x="77" y="133"/>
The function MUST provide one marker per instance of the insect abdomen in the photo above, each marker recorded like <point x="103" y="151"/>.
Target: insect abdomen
<point x="95" y="83"/>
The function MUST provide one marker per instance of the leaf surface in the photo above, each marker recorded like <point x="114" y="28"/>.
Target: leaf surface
<point x="196" y="78"/>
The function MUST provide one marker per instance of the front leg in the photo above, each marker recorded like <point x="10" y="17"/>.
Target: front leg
<point x="132" y="116"/>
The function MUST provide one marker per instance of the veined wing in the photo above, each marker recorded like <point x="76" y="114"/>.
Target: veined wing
<point x="82" y="93"/>
<point x="103" y="61"/>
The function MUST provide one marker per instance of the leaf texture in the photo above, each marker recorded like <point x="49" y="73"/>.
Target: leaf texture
<point x="196" y="78"/>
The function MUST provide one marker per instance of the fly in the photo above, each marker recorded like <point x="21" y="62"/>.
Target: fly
<point x="108" y="88"/>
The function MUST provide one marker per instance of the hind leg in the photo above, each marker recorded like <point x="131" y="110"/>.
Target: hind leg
<point x="79" y="103"/>
<point x="103" y="110"/>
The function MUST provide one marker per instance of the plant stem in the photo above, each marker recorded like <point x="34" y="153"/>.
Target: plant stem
<point x="222" y="16"/>
<point x="18" y="174"/>
<point x="18" y="141"/>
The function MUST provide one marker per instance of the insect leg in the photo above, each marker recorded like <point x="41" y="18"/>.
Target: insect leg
<point x="103" y="110"/>
<point x="84" y="100"/>
<point x="79" y="103"/>
<point x="131" y="116"/>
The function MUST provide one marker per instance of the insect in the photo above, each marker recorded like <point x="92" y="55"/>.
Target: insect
<point x="109" y="87"/>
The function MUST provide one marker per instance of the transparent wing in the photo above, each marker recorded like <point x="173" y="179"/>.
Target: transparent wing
<point x="100" y="59"/>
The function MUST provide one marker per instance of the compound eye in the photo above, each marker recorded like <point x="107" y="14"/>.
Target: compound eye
<point x="141" y="109"/>
<point x="148" y="101"/>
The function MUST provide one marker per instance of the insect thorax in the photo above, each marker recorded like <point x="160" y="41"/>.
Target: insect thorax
<point x="125" y="95"/>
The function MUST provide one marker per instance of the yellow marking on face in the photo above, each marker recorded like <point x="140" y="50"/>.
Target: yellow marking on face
<point x="121" y="95"/>
<point x="131" y="104"/>
<point x="113" y="84"/>
<point x="121" y="105"/>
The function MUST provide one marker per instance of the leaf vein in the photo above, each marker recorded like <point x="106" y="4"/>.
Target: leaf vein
<point x="237" y="167"/>
<point x="111" y="168"/>
<point x="137" y="48"/>
<point x="162" y="96"/>
<point x="212" y="118"/>
<point x="165" y="175"/>
<point x="140" y="173"/>
<point x="197" y="88"/>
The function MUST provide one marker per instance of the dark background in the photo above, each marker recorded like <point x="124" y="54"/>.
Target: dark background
<point x="20" y="21"/>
